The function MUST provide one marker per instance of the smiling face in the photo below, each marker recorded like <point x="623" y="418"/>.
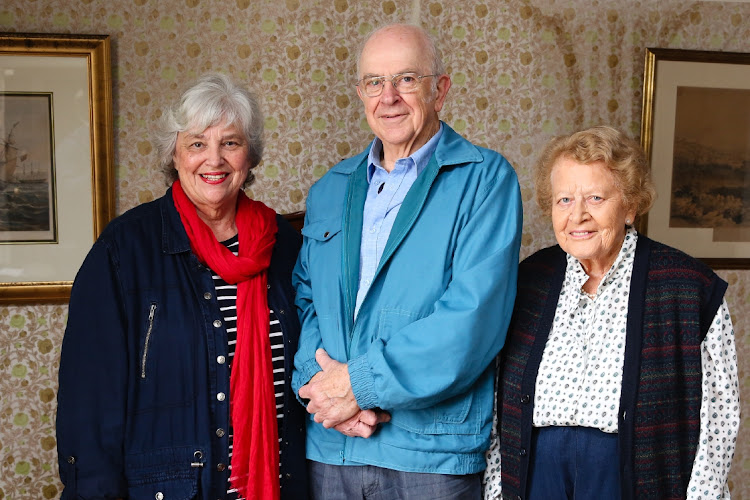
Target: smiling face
<point x="212" y="165"/>
<point x="588" y="213"/>
<point x="403" y="122"/>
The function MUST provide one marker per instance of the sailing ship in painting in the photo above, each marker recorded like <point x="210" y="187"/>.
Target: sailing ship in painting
<point x="24" y="188"/>
<point x="15" y="164"/>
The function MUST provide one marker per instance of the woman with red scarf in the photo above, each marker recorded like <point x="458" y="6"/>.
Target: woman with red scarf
<point x="176" y="362"/>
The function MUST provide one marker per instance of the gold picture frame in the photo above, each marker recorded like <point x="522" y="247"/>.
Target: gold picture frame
<point x="75" y="72"/>
<point x="695" y="129"/>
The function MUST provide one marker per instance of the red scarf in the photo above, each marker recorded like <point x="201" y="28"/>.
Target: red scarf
<point x="255" y="459"/>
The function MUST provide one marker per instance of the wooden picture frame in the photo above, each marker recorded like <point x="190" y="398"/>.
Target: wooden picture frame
<point x="74" y="71"/>
<point x="695" y="130"/>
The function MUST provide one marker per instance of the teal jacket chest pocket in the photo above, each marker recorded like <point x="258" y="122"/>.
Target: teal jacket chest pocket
<point x="322" y="230"/>
<point x="324" y="248"/>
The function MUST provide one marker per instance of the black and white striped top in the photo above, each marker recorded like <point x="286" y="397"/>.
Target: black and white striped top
<point x="226" y="294"/>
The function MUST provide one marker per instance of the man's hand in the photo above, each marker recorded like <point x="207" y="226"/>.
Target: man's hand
<point x="364" y="423"/>
<point x="330" y="392"/>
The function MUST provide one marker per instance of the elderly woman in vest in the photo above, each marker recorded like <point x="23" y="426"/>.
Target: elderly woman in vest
<point x="176" y="362"/>
<point x="618" y="379"/>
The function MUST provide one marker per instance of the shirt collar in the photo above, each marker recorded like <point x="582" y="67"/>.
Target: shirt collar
<point x="624" y="260"/>
<point x="420" y="157"/>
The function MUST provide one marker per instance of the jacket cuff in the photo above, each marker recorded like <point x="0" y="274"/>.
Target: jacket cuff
<point x="363" y="383"/>
<point x="302" y="375"/>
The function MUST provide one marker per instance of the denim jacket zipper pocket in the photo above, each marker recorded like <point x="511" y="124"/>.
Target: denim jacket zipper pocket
<point x="151" y="314"/>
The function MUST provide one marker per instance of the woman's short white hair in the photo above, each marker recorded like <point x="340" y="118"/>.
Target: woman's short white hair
<point x="214" y="99"/>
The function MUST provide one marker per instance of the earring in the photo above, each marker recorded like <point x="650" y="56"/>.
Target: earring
<point x="627" y="221"/>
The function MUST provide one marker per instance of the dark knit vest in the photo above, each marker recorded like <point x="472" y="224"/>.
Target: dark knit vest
<point x="673" y="299"/>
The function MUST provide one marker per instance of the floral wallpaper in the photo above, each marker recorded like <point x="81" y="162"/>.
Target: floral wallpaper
<point x="522" y="70"/>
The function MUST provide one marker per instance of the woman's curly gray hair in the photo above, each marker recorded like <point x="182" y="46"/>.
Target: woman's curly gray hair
<point x="214" y="99"/>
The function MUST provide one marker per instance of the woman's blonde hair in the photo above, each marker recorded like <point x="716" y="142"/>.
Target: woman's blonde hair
<point x="623" y="157"/>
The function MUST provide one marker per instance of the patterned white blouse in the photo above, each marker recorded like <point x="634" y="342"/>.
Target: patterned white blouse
<point x="584" y="354"/>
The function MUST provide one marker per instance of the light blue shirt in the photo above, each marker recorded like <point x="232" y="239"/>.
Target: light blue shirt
<point x="384" y="198"/>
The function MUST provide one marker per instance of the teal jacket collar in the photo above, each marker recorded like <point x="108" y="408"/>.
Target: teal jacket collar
<point x="451" y="150"/>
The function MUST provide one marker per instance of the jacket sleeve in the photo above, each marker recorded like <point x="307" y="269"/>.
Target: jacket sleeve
<point x="91" y="400"/>
<point x="443" y="354"/>
<point x="310" y="340"/>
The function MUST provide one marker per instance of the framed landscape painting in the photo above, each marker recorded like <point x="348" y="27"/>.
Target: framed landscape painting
<point x="696" y="132"/>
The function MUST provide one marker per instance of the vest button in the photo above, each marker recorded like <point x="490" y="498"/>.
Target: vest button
<point x="525" y="399"/>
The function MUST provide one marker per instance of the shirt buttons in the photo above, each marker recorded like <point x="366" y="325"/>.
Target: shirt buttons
<point x="217" y="323"/>
<point x="220" y="432"/>
<point x="221" y="396"/>
<point x="159" y="495"/>
<point x="325" y="235"/>
<point x="207" y="295"/>
<point x="522" y="452"/>
<point x="220" y="467"/>
<point x="221" y="360"/>
<point x="71" y="460"/>
<point x="525" y="399"/>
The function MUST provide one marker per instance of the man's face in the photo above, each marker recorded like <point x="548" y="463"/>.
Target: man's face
<point x="404" y="122"/>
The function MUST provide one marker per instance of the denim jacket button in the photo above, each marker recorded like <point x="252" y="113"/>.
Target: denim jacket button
<point x="159" y="495"/>
<point x="217" y="323"/>
<point x="207" y="295"/>
<point x="221" y="360"/>
<point x="220" y="467"/>
<point x="71" y="460"/>
<point x="220" y="396"/>
<point x="220" y="432"/>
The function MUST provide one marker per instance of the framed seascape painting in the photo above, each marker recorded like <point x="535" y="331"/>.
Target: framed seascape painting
<point x="696" y="132"/>
<point x="27" y="182"/>
<point x="56" y="159"/>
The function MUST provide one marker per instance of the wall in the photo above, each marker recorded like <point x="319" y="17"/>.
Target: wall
<point x="522" y="72"/>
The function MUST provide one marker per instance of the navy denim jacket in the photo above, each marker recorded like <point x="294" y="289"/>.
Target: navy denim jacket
<point x="143" y="402"/>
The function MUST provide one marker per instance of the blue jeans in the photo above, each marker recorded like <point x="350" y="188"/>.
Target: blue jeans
<point x="352" y="482"/>
<point x="578" y="463"/>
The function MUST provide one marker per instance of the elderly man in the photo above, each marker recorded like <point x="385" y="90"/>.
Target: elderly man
<point x="405" y="287"/>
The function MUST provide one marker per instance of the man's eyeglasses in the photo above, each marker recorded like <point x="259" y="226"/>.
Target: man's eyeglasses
<point x="404" y="83"/>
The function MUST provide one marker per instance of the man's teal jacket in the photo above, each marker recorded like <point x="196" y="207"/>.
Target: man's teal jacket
<point x="423" y="343"/>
